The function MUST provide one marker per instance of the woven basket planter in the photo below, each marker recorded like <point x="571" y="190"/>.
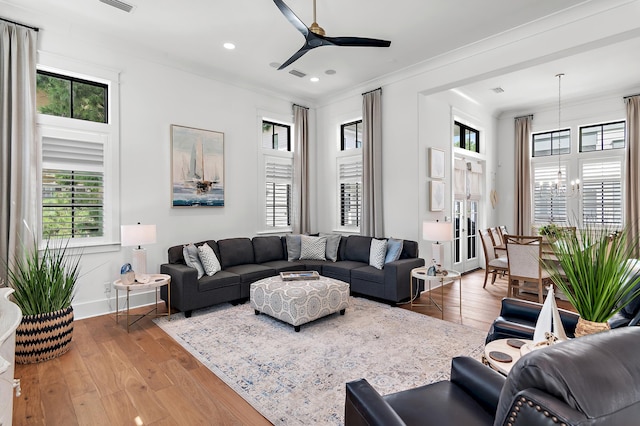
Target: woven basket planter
<point x="585" y="327"/>
<point x="43" y="337"/>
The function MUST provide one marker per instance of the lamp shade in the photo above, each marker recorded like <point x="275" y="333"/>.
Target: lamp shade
<point x="437" y="231"/>
<point x="137" y="235"/>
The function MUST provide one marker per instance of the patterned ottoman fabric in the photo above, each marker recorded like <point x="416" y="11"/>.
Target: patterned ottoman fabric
<point x="299" y="302"/>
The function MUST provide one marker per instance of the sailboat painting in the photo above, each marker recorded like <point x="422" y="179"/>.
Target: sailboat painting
<point x="197" y="167"/>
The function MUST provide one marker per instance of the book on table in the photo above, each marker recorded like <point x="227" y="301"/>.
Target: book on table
<point x="299" y="275"/>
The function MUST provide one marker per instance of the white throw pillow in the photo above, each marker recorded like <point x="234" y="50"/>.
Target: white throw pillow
<point x="209" y="259"/>
<point x="312" y="248"/>
<point x="377" y="253"/>
<point x="192" y="258"/>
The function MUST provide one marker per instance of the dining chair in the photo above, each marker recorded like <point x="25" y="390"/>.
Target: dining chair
<point x="524" y="253"/>
<point x="498" y="242"/>
<point x="493" y="264"/>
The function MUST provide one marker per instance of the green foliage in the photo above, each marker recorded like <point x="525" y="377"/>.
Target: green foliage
<point x="594" y="271"/>
<point x="550" y="230"/>
<point x="44" y="281"/>
<point x="69" y="98"/>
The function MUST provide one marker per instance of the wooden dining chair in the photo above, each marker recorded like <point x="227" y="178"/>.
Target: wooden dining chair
<point x="498" y="242"/>
<point x="493" y="264"/>
<point x="524" y="253"/>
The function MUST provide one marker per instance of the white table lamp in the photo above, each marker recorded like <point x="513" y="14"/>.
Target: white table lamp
<point x="138" y="235"/>
<point x="438" y="232"/>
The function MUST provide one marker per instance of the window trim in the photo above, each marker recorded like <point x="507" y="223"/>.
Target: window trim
<point x="601" y="125"/>
<point x="462" y="142"/>
<point x="342" y="126"/>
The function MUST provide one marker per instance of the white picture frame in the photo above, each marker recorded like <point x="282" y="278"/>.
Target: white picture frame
<point x="436" y="163"/>
<point x="436" y="195"/>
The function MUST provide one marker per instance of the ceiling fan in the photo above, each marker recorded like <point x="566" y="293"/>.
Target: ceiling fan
<point x="315" y="37"/>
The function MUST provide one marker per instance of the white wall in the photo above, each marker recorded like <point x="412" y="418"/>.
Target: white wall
<point x="152" y="97"/>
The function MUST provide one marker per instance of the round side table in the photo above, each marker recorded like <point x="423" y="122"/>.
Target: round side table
<point x="421" y="274"/>
<point x="155" y="281"/>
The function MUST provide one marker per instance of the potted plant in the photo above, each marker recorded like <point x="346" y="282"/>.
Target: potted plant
<point x="594" y="270"/>
<point x="44" y="282"/>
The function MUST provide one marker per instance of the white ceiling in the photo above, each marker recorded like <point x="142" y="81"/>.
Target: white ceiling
<point x="190" y="34"/>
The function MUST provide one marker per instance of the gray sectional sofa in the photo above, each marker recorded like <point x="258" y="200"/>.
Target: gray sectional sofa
<point x="244" y="261"/>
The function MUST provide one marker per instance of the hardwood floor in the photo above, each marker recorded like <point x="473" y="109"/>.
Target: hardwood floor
<point x="110" y="377"/>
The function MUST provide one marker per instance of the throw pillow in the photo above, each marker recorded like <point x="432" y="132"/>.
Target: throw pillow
<point x="192" y="258"/>
<point x="293" y="247"/>
<point x="333" y="242"/>
<point x="377" y="253"/>
<point x="394" y="249"/>
<point x="312" y="248"/>
<point x="209" y="259"/>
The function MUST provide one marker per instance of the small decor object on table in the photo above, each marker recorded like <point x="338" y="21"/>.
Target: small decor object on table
<point x="299" y="275"/>
<point x="127" y="275"/>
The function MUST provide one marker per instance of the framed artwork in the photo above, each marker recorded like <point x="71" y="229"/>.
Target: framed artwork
<point x="197" y="167"/>
<point x="436" y="163"/>
<point x="437" y="195"/>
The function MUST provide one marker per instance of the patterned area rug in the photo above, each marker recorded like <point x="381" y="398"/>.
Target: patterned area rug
<point x="299" y="378"/>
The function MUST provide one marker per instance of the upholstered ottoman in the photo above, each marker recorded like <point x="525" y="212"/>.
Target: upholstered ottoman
<point x="299" y="302"/>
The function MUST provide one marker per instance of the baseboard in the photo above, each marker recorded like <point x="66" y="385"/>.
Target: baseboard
<point x="108" y="305"/>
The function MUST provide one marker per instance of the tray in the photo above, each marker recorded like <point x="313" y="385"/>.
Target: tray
<point x="299" y="276"/>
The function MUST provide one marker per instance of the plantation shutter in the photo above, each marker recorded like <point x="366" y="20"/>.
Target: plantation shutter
<point x="474" y="184"/>
<point x="547" y="206"/>
<point x="350" y="178"/>
<point x="279" y="178"/>
<point x="72" y="187"/>
<point x="459" y="178"/>
<point x="602" y="193"/>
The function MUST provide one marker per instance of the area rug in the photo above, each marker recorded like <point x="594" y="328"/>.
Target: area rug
<point x="299" y="378"/>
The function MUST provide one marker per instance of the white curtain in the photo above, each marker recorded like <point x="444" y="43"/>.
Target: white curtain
<point x="632" y="186"/>
<point x="18" y="153"/>
<point x="301" y="217"/>
<point x="523" y="175"/>
<point x="372" y="224"/>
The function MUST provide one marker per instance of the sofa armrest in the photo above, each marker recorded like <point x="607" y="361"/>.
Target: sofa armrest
<point x="364" y="406"/>
<point x="479" y="381"/>
<point x="397" y="278"/>
<point x="184" y="283"/>
<point x="535" y="407"/>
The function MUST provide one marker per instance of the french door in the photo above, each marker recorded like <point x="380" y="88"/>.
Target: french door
<point x="466" y="216"/>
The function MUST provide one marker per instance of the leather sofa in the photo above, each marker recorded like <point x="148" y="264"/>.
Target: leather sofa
<point x="245" y="260"/>
<point x="518" y="319"/>
<point x="590" y="380"/>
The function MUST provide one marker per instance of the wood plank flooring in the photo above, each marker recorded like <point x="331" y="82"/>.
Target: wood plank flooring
<point x="110" y="377"/>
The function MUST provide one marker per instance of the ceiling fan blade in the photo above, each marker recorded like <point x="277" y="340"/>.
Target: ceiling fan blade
<point x="358" y="41"/>
<point x="304" y="49"/>
<point x="291" y="17"/>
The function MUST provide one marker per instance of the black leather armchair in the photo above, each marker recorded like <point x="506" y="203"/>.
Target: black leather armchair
<point x="518" y="319"/>
<point x="591" y="380"/>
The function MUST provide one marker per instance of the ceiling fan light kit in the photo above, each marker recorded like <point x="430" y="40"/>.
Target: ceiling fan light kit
<point x="315" y="35"/>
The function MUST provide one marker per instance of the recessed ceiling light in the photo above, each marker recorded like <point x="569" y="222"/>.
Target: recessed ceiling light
<point x="274" y="64"/>
<point x="330" y="72"/>
<point x="314" y="79"/>
<point x="229" y="46"/>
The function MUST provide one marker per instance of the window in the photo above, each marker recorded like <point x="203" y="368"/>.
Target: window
<point x="602" y="137"/>
<point x="351" y="135"/>
<point x="602" y="193"/>
<point x="64" y="96"/>
<point x="548" y="205"/>
<point x="350" y="185"/>
<point x="552" y="143"/>
<point x="466" y="137"/>
<point x="278" y="175"/>
<point x="78" y="136"/>
<point x="276" y="136"/>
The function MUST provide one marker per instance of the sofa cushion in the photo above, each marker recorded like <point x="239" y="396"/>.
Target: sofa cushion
<point x="219" y="280"/>
<point x="266" y="249"/>
<point x="251" y="272"/>
<point x="235" y="251"/>
<point x="312" y="248"/>
<point x="333" y="243"/>
<point x="192" y="258"/>
<point x="357" y="248"/>
<point x="209" y="260"/>
<point x="368" y="273"/>
<point x="293" y="247"/>
<point x="340" y="270"/>
<point x="409" y="249"/>
<point x="377" y="253"/>
<point x="284" y="265"/>
<point x="394" y="250"/>
<point x="313" y="265"/>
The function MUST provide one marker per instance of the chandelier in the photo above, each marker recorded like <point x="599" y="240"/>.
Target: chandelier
<point x="559" y="187"/>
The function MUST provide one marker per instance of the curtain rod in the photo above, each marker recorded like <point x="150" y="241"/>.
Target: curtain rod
<point x="631" y="96"/>
<point x="296" y="105"/>
<point x="371" y="91"/>
<point x="524" y="116"/>
<point x="36" y="29"/>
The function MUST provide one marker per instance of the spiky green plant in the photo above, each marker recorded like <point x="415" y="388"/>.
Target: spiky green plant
<point x="44" y="280"/>
<point x="594" y="270"/>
